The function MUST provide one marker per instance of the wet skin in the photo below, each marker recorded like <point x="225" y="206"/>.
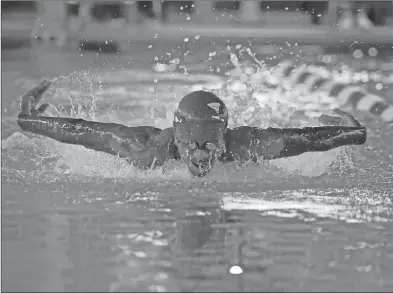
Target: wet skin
<point x="198" y="147"/>
<point x="199" y="159"/>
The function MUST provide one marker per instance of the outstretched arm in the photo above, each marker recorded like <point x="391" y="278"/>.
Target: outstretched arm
<point x="140" y="144"/>
<point x="274" y="143"/>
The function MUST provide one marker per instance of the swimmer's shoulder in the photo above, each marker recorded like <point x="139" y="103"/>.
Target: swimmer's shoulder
<point x="239" y="140"/>
<point x="154" y="146"/>
<point x="165" y="141"/>
<point x="154" y="135"/>
<point x="156" y="141"/>
<point x="149" y="133"/>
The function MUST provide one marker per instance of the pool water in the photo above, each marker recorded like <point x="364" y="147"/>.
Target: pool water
<point x="78" y="220"/>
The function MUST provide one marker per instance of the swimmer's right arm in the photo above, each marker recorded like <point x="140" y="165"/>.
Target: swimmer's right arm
<point x="116" y="139"/>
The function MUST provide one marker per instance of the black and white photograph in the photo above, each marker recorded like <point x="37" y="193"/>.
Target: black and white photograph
<point x="196" y="146"/>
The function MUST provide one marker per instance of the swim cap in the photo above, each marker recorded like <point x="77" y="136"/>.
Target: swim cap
<point x="201" y="106"/>
<point x="201" y="117"/>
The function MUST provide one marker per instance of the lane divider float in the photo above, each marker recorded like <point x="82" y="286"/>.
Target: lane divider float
<point x="346" y="94"/>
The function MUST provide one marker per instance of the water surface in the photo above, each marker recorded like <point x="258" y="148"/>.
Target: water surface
<point x="78" y="220"/>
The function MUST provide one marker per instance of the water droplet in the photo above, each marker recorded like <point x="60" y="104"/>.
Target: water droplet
<point x="373" y="52"/>
<point x="235" y="270"/>
<point x="357" y="54"/>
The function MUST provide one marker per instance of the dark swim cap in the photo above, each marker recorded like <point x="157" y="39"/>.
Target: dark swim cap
<point x="201" y="106"/>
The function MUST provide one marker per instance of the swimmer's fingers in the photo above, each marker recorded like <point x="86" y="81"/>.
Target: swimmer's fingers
<point x="347" y="119"/>
<point x="38" y="90"/>
<point x="28" y="107"/>
<point x="329" y="120"/>
<point x="29" y="101"/>
<point x="42" y="108"/>
<point x="36" y="112"/>
<point x="341" y="112"/>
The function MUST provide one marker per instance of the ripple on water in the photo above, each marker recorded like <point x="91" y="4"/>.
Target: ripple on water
<point x="301" y="222"/>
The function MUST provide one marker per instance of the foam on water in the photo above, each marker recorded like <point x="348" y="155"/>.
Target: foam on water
<point x="149" y="232"/>
<point x="352" y="205"/>
<point x="248" y="93"/>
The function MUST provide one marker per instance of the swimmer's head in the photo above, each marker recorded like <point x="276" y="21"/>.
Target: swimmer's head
<point x="200" y="121"/>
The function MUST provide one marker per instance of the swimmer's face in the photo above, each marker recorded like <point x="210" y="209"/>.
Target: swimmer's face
<point x="199" y="159"/>
<point x="199" y="146"/>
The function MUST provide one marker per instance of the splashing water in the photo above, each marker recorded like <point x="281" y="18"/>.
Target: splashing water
<point x="93" y="222"/>
<point x="248" y="93"/>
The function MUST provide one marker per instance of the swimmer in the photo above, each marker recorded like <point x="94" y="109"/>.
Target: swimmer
<point x="199" y="136"/>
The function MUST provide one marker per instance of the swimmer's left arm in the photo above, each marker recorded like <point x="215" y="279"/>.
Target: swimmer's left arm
<point x="274" y="143"/>
<point x="296" y="141"/>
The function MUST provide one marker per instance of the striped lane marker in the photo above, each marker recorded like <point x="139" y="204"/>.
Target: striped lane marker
<point x="319" y="84"/>
<point x="346" y="94"/>
<point x="310" y="81"/>
<point x="349" y="91"/>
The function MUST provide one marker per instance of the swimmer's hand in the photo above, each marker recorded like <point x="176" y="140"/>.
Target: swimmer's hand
<point x="345" y="119"/>
<point x="28" y="105"/>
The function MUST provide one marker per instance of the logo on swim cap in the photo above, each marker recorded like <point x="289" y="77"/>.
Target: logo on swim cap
<point x="215" y="107"/>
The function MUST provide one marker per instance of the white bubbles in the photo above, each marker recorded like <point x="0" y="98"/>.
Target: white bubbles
<point x="375" y="76"/>
<point x="175" y="61"/>
<point x="373" y="52"/>
<point x="160" y="67"/>
<point x="364" y="77"/>
<point x="357" y="54"/>
<point x="237" y="87"/>
<point x="379" y="86"/>
<point x="326" y="59"/>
